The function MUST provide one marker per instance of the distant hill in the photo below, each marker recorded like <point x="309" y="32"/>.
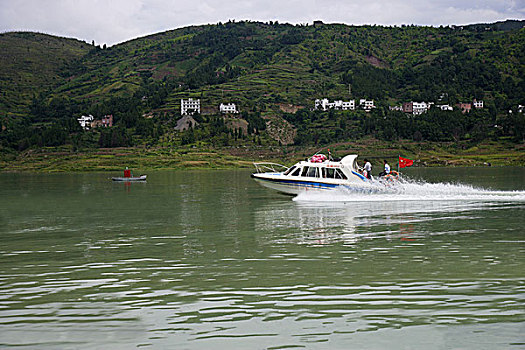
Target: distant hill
<point x="507" y="25"/>
<point x="30" y="63"/>
<point x="50" y="81"/>
<point x="267" y="63"/>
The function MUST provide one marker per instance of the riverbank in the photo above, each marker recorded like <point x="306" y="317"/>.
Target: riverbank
<point x="116" y="159"/>
<point x="65" y="159"/>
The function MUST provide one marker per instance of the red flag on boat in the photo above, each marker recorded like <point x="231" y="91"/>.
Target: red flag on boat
<point x="403" y="162"/>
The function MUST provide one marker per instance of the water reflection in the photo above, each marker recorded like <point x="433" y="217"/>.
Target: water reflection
<point x="325" y="222"/>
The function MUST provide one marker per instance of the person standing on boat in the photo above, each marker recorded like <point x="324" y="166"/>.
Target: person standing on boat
<point x="368" y="169"/>
<point x="387" y="169"/>
<point x="128" y="173"/>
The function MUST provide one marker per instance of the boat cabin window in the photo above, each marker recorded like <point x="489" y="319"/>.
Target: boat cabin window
<point x="329" y="173"/>
<point x="332" y="173"/>
<point x="339" y="174"/>
<point x="289" y="170"/>
<point x="312" y="172"/>
<point x="305" y="171"/>
<point x="309" y="171"/>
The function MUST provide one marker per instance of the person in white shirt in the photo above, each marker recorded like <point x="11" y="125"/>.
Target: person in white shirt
<point x="387" y="169"/>
<point x="368" y="169"/>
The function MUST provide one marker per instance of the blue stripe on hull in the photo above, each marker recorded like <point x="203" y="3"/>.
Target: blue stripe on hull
<point x="301" y="183"/>
<point x="359" y="175"/>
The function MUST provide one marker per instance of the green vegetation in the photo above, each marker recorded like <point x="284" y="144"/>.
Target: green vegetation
<point x="273" y="72"/>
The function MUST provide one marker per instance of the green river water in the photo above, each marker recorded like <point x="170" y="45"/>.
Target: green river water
<point x="210" y="259"/>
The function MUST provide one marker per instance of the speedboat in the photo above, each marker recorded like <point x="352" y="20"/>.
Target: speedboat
<point x="316" y="173"/>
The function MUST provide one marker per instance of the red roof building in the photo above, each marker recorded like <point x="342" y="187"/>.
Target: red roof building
<point x="465" y="107"/>
<point x="107" y="121"/>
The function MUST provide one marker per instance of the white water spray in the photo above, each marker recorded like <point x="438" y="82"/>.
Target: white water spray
<point x="412" y="190"/>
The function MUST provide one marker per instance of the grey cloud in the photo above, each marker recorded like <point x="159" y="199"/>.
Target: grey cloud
<point x="120" y="20"/>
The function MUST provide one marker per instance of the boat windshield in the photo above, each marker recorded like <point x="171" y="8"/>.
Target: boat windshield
<point x="290" y="170"/>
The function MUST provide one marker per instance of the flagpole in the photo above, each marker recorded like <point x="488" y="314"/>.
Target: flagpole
<point x="398" y="160"/>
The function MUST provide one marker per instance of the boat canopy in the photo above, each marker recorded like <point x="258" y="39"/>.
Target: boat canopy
<point x="350" y="161"/>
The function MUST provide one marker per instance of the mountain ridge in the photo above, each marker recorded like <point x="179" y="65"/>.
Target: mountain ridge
<point x="190" y="55"/>
<point x="47" y="82"/>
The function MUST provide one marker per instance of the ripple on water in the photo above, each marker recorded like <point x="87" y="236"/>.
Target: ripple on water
<point x="267" y="273"/>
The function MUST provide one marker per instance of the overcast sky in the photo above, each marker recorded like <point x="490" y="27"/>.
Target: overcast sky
<point x="114" y="21"/>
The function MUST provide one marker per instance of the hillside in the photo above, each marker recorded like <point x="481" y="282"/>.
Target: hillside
<point x="267" y="69"/>
<point x="30" y="64"/>
<point x="255" y="63"/>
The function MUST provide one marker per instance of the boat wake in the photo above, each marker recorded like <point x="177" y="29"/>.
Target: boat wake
<point x="412" y="190"/>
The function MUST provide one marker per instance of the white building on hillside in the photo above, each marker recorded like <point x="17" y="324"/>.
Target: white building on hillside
<point x="228" y="108"/>
<point x="346" y="105"/>
<point x="420" y="107"/>
<point x="190" y="106"/>
<point x="322" y="105"/>
<point x="325" y="104"/>
<point x="477" y="104"/>
<point x="367" y="105"/>
<point x="85" y="121"/>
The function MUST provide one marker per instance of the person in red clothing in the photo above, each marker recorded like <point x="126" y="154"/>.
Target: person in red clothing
<point x="128" y="173"/>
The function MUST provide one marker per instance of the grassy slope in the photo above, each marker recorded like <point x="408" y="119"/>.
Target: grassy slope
<point x="299" y="73"/>
<point x="31" y="63"/>
<point x="118" y="70"/>
<point x="295" y="73"/>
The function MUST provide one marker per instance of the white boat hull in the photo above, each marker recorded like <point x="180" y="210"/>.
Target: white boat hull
<point x="128" y="179"/>
<point x="294" y="187"/>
